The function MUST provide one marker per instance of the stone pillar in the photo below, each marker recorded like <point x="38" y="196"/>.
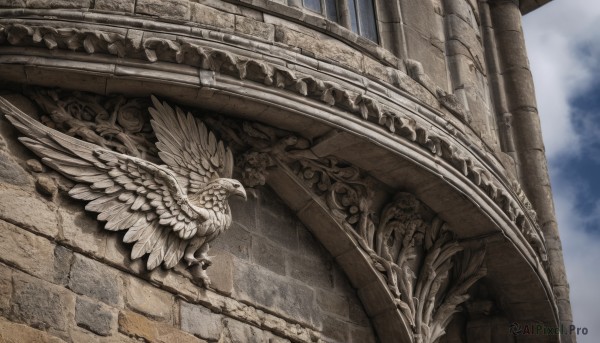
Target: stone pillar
<point x="527" y="133"/>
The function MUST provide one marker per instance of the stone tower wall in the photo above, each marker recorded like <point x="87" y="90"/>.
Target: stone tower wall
<point x="441" y="108"/>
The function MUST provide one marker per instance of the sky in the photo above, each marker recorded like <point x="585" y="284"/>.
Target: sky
<point x="563" y="43"/>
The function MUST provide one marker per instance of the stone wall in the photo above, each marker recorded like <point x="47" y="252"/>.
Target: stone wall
<point x="443" y="37"/>
<point x="64" y="278"/>
<point x="417" y="112"/>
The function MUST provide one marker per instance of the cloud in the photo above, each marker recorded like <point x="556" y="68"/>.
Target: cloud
<point x="564" y="50"/>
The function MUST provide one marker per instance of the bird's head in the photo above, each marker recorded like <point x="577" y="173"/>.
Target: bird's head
<point x="233" y="187"/>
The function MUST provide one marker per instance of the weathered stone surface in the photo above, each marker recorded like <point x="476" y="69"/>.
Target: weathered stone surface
<point x="222" y="6"/>
<point x="269" y="256"/>
<point x="16" y="205"/>
<point x="5" y="289"/>
<point x="95" y="280"/>
<point x="41" y="304"/>
<point x="335" y="329"/>
<point x="94" y="316"/>
<point x="333" y="303"/>
<point x="209" y="16"/>
<point x="376" y="70"/>
<point x="237" y="331"/>
<point x="274" y="292"/>
<point x="322" y="47"/>
<point x="58" y="3"/>
<point x="200" y="321"/>
<point x="357" y="312"/>
<point x="16" y="333"/>
<point x="254" y="28"/>
<point x="309" y="246"/>
<point x="236" y="240"/>
<point x="46" y="185"/>
<point x="136" y="325"/>
<point x="271" y="338"/>
<point x="245" y="212"/>
<point x="126" y="6"/>
<point x="425" y="50"/>
<point x="362" y="335"/>
<point x="279" y="228"/>
<point x="11" y="171"/>
<point x="176" y="283"/>
<point x="12" y="3"/>
<point x="221" y="271"/>
<point x="144" y="298"/>
<point x="81" y="231"/>
<point x="316" y="274"/>
<point x="35" y="165"/>
<point x="175" y="9"/>
<point x="63" y="258"/>
<point x="26" y="251"/>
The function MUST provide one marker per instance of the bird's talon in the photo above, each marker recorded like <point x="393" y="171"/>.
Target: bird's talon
<point x="200" y="277"/>
<point x="205" y="261"/>
<point x="191" y="261"/>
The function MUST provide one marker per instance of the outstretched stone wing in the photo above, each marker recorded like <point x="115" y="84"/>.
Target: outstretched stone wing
<point x="127" y="192"/>
<point x="188" y="148"/>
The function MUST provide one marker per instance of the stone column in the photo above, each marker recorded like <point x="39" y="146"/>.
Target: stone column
<point x="527" y="133"/>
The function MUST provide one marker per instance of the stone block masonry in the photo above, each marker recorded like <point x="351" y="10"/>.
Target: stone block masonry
<point x="64" y="279"/>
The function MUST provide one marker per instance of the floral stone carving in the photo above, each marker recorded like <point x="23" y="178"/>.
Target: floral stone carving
<point x="426" y="268"/>
<point x="170" y="212"/>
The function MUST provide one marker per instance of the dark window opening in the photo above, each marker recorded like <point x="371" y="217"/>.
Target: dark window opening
<point x="359" y="14"/>
<point x="362" y="18"/>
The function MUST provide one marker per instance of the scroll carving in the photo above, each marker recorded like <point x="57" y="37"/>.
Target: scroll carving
<point x="170" y="212"/>
<point x="427" y="270"/>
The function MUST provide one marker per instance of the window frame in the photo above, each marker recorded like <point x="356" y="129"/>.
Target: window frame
<point x="324" y="7"/>
<point x="344" y="16"/>
<point x="359" y="20"/>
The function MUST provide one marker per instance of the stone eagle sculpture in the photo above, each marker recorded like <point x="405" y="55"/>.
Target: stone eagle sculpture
<point x="170" y="211"/>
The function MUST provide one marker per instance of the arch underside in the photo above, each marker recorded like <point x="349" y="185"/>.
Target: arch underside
<point x="389" y="164"/>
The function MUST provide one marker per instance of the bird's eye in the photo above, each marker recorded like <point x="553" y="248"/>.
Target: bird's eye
<point x="236" y="185"/>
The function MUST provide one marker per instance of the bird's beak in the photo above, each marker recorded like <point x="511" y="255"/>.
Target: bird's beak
<point x="241" y="192"/>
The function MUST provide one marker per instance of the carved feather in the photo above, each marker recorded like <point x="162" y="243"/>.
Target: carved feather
<point x="188" y="148"/>
<point x="126" y="192"/>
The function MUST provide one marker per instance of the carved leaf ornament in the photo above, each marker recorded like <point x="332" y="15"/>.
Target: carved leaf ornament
<point x="426" y="269"/>
<point x="170" y="211"/>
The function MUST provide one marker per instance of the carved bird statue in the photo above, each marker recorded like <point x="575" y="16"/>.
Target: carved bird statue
<point x="170" y="211"/>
